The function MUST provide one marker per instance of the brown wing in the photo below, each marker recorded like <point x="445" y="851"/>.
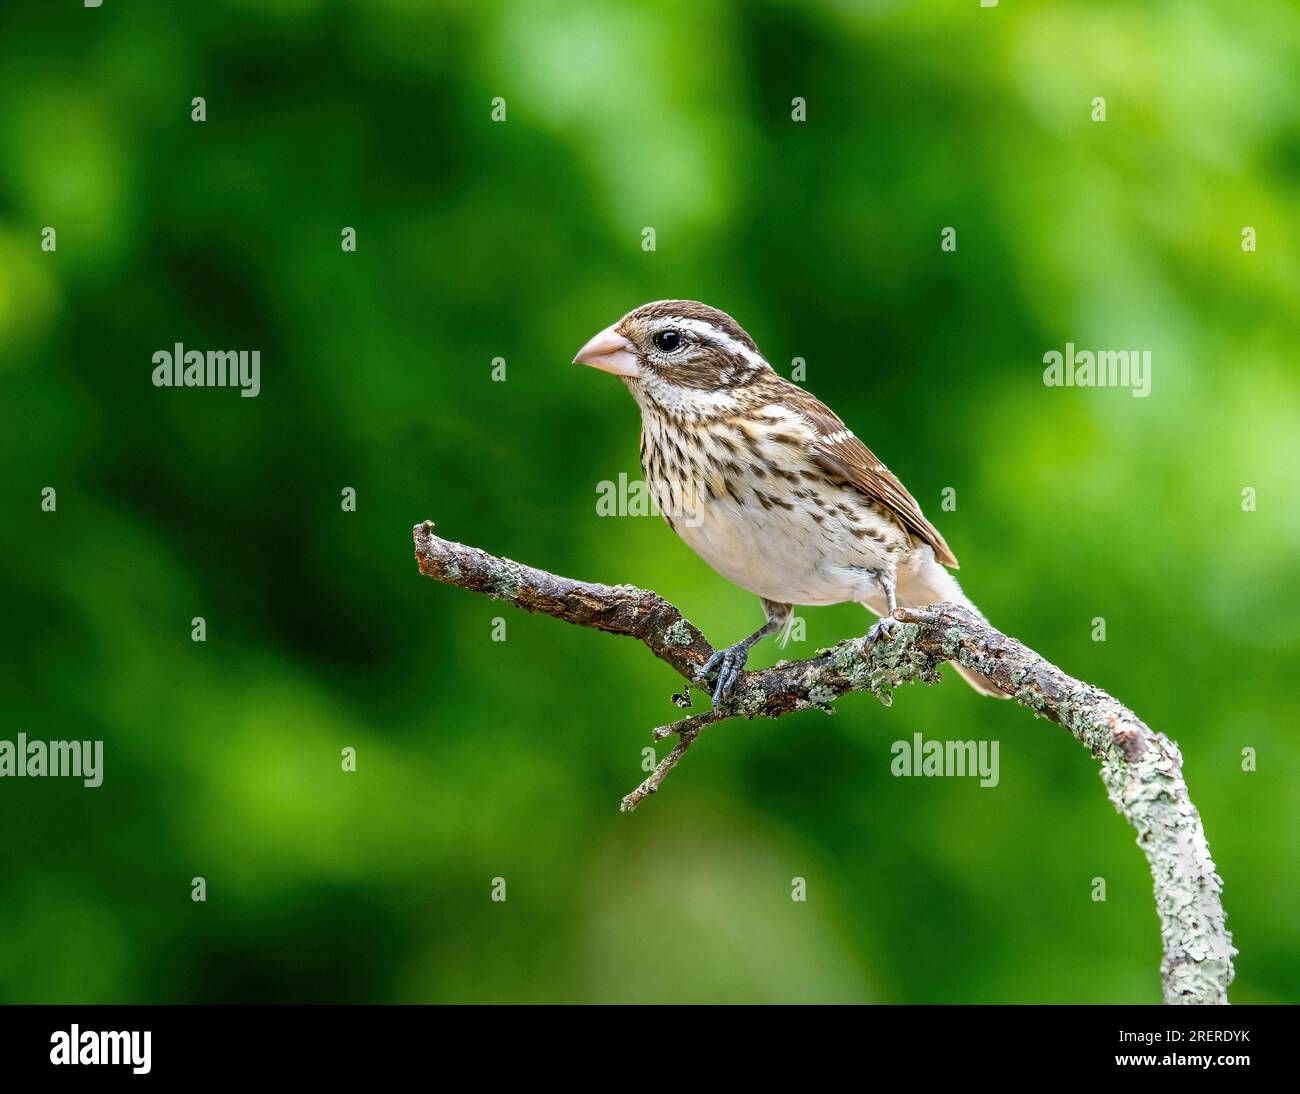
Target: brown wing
<point x="838" y="452"/>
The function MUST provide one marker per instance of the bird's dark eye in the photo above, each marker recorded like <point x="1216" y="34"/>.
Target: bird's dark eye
<point x="668" y="340"/>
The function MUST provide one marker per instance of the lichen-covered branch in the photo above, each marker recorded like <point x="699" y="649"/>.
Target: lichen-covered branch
<point x="1141" y="769"/>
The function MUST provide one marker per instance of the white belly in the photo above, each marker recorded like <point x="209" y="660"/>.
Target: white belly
<point x="783" y="555"/>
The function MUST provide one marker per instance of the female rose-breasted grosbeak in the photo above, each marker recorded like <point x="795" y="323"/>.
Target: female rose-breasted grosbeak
<point x="765" y="483"/>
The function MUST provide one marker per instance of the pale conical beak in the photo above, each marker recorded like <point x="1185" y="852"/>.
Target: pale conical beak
<point x="609" y="351"/>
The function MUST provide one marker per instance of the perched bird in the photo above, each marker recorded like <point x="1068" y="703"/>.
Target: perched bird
<point x="765" y="483"/>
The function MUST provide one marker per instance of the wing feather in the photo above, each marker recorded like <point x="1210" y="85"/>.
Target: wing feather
<point x="840" y="454"/>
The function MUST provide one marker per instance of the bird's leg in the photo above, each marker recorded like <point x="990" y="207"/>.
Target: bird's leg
<point x="886" y="626"/>
<point x="730" y="661"/>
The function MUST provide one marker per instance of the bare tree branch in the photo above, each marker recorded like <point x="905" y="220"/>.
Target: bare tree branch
<point x="1141" y="769"/>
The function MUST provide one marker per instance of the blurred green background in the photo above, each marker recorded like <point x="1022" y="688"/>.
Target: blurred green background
<point x="480" y="759"/>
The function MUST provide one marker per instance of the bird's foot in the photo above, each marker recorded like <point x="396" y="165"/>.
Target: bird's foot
<point x="886" y="627"/>
<point x="728" y="664"/>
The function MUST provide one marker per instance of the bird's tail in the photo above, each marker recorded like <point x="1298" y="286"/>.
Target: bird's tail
<point x="930" y="583"/>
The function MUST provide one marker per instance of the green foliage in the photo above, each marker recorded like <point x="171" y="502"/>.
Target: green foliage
<point x="518" y="239"/>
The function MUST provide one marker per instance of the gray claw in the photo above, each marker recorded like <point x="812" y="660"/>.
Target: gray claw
<point x="887" y="628"/>
<point x="709" y="666"/>
<point x="729" y="663"/>
<point x="733" y="662"/>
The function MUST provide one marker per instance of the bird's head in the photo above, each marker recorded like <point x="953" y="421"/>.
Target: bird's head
<point x="680" y="354"/>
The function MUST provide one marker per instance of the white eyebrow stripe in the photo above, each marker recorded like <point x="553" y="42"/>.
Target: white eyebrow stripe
<point x="699" y="326"/>
<point x="837" y="437"/>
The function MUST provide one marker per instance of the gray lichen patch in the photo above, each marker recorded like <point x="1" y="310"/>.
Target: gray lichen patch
<point x="882" y="667"/>
<point x="748" y="699"/>
<point x="504" y="582"/>
<point x="1031" y="698"/>
<point x="1151" y="794"/>
<point x="679" y="634"/>
<point x="819" y="695"/>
